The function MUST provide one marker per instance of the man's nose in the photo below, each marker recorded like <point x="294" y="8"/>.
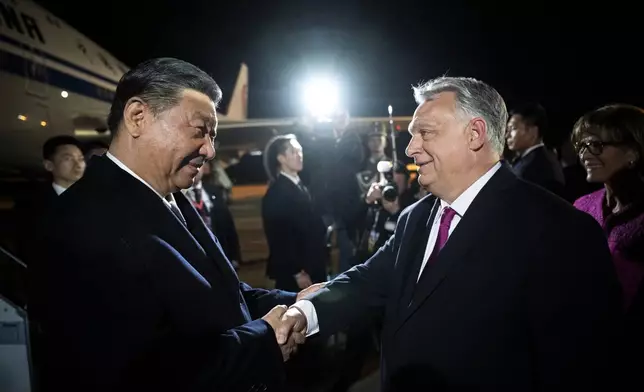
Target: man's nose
<point x="413" y="146"/>
<point x="208" y="150"/>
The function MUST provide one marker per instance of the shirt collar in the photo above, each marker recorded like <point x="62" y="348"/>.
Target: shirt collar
<point x="529" y="150"/>
<point x="58" y="189"/>
<point x="463" y="202"/>
<point x="168" y="199"/>
<point x="295" y="179"/>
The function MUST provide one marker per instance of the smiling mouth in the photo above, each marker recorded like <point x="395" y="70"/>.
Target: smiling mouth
<point x="592" y="165"/>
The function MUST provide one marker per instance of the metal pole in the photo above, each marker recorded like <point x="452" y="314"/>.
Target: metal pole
<point x="393" y="135"/>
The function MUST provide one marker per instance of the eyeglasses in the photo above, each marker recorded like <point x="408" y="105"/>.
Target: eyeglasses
<point x="595" y="147"/>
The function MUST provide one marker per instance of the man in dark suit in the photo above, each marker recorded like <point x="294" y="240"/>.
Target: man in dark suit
<point x="534" y="162"/>
<point x="142" y="296"/>
<point x="295" y="232"/>
<point x="64" y="160"/>
<point x="469" y="302"/>
<point x="215" y="213"/>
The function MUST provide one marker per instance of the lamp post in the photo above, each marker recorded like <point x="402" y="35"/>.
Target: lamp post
<point x="394" y="153"/>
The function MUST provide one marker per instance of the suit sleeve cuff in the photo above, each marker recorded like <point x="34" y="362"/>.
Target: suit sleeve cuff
<point x="287" y="298"/>
<point x="307" y="308"/>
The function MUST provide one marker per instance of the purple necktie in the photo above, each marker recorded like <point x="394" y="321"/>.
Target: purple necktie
<point x="443" y="233"/>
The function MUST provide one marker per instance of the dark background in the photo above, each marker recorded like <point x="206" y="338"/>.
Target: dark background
<point x="570" y="56"/>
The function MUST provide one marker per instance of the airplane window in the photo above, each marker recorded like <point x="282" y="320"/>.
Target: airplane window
<point x="53" y="21"/>
<point x="107" y="64"/>
<point x="82" y="48"/>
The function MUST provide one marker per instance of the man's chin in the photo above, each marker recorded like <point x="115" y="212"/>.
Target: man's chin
<point x="184" y="182"/>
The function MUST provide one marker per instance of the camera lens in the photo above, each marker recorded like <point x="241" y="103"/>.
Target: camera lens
<point x="390" y="193"/>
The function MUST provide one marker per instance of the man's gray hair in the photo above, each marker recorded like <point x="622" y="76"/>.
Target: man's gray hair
<point x="474" y="98"/>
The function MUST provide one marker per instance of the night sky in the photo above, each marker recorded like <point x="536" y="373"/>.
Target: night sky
<point x="569" y="56"/>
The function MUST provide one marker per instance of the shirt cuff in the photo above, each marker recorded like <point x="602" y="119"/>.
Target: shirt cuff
<point x="307" y="308"/>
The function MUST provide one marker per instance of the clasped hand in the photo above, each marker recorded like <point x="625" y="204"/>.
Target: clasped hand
<point x="289" y="324"/>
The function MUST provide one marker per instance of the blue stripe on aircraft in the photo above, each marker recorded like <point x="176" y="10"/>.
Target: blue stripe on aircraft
<point x="26" y="68"/>
<point x="56" y="59"/>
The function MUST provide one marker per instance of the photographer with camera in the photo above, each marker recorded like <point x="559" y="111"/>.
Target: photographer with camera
<point x="387" y="198"/>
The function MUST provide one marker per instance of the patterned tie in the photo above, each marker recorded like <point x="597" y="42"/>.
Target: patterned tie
<point x="200" y="206"/>
<point x="443" y="233"/>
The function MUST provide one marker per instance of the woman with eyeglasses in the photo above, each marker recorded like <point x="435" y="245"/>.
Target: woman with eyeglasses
<point x="610" y="144"/>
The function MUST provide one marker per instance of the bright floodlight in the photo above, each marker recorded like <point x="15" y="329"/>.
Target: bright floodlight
<point x="390" y="110"/>
<point x="321" y="97"/>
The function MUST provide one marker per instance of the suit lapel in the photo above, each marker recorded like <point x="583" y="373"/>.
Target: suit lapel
<point x="290" y="187"/>
<point x="207" y="241"/>
<point x="152" y="213"/>
<point x="414" y="238"/>
<point x="472" y="226"/>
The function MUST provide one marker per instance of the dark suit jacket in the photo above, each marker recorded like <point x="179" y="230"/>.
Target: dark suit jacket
<point x="134" y="300"/>
<point x="295" y="233"/>
<point x="540" y="166"/>
<point x="30" y="211"/>
<point x="501" y="309"/>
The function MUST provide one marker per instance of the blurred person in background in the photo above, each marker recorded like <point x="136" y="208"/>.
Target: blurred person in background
<point x="215" y="213"/>
<point x="64" y="161"/>
<point x="385" y="202"/>
<point x="533" y="161"/>
<point x="610" y="144"/>
<point x="376" y="143"/>
<point x="574" y="173"/>
<point x="294" y="230"/>
<point x="216" y="180"/>
<point x="335" y="154"/>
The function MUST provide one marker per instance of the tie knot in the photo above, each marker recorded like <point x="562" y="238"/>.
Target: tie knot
<point x="448" y="216"/>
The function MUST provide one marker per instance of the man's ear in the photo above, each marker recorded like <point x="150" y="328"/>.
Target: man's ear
<point x="477" y="134"/>
<point x="49" y="165"/>
<point x="281" y="159"/>
<point x="534" y="131"/>
<point x="134" y="116"/>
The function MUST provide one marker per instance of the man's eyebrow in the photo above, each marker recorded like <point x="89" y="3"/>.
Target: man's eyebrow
<point x="418" y="124"/>
<point x="210" y="120"/>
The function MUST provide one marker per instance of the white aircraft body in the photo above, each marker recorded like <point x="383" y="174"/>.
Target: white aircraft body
<point x="54" y="81"/>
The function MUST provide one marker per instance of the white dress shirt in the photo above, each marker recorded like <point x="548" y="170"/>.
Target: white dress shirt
<point x="58" y="189"/>
<point x="169" y="200"/>
<point x="460" y="206"/>
<point x="295" y="178"/>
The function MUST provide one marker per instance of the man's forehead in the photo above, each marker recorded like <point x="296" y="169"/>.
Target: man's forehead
<point x="67" y="148"/>
<point x="515" y="118"/>
<point x="433" y="112"/>
<point x="296" y="144"/>
<point x="423" y="121"/>
<point x="199" y="103"/>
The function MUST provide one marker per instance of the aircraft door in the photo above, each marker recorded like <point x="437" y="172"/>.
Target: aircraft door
<point x="36" y="75"/>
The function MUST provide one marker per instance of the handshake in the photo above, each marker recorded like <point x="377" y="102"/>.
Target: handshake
<point x="289" y="324"/>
